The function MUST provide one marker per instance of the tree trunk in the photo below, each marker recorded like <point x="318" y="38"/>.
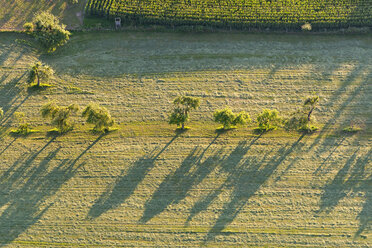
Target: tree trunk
<point x="308" y="116"/>
<point x="183" y="126"/>
<point x="38" y="80"/>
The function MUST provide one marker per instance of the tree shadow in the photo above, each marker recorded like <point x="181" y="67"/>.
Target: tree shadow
<point x="365" y="216"/>
<point x="229" y="163"/>
<point x="175" y="186"/>
<point x="126" y="183"/>
<point x="246" y="177"/>
<point x="331" y="147"/>
<point x="354" y="176"/>
<point x="26" y="187"/>
<point x="9" y="145"/>
<point x="352" y="95"/>
<point x="9" y="94"/>
<point x="13" y="176"/>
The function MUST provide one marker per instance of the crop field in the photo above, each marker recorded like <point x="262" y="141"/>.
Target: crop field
<point x="275" y="14"/>
<point x="145" y="185"/>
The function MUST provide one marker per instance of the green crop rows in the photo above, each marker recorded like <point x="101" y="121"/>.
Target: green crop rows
<point x="276" y="14"/>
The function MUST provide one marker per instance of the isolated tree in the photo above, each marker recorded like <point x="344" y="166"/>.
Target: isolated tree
<point x="48" y="31"/>
<point x="297" y="121"/>
<point x="302" y="119"/>
<point x="182" y="107"/>
<point x="228" y="119"/>
<point x="310" y="104"/>
<point x="268" y="120"/>
<point x="40" y="72"/>
<point x="60" y="116"/>
<point x="99" y="116"/>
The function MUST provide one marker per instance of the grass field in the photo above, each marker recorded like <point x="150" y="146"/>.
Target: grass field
<point x="146" y="185"/>
<point x="15" y="13"/>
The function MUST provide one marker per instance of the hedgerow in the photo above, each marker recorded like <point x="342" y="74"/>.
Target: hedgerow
<point x="275" y="14"/>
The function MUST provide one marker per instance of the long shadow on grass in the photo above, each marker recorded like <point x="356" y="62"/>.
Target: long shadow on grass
<point x="125" y="185"/>
<point x="7" y="146"/>
<point x="9" y="93"/>
<point x="355" y="176"/>
<point x="246" y="178"/>
<point x="365" y="216"/>
<point x="175" y="186"/>
<point x="229" y="163"/>
<point x="351" y="97"/>
<point x="26" y="187"/>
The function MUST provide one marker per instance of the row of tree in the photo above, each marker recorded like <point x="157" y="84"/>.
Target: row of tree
<point x="94" y="114"/>
<point x="60" y="117"/>
<point x="267" y="120"/>
<point x="101" y="118"/>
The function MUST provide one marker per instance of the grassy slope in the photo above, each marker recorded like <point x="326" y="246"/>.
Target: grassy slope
<point x="144" y="185"/>
<point x="14" y="13"/>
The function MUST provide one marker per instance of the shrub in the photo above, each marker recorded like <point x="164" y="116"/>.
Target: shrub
<point x="99" y="116"/>
<point x="268" y="120"/>
<point x="352" y="129"/>
<point x="356" y="125"/>
<point x="29" y="27"/>
<point x="182" y="107"/>
<point x="229" y="120"/>
<point x="48" y="31"/>
<point x="306" y="27"/>
<point x="60" y="116"/>
<point x="40" y="72"/>
<point x="24" y="127"/>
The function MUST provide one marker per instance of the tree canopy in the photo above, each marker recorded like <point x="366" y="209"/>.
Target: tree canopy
<point x="301" y="119"/>
<point x="182" y="107"/>
<point x="60" y="115"/>
<point x="47" y="29"/>
<point x="99" y="116"/>
<point x="268" y="120"/>
<point x="229" y="119"/>
<point x="40" y="72"/>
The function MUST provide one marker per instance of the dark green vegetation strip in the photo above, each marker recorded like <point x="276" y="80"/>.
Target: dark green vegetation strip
<point x="239" y="13"/>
